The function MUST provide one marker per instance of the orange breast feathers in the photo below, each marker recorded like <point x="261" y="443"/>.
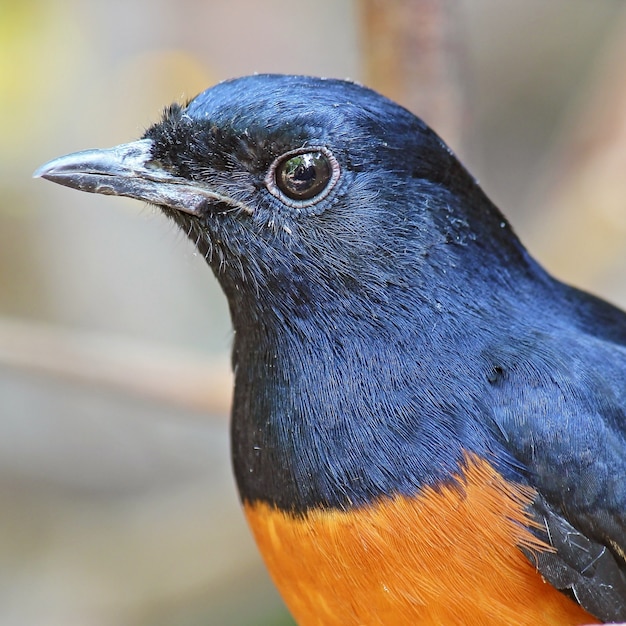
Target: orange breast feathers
<point x="447" y="556"/>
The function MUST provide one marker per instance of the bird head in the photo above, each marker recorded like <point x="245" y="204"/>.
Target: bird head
<point x="296" y="189"/>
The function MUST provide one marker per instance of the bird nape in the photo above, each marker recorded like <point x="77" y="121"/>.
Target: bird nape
<point x="426" y="426"/>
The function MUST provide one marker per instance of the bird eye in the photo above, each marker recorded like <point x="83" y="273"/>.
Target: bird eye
<point x="302" y="178"/>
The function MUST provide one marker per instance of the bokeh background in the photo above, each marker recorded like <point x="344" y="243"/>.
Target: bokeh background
<point x="117" y="505"/>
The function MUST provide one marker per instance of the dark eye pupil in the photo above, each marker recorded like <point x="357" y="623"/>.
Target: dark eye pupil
<point x="303" y="176"/>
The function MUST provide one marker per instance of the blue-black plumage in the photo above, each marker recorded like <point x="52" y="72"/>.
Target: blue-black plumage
<point x="388" y="322"/>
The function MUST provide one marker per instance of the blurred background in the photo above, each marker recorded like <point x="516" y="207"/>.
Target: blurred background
<point x="117" y="505"/>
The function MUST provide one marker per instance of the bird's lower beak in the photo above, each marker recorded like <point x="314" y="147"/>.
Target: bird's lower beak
<point x="128" y="170"/>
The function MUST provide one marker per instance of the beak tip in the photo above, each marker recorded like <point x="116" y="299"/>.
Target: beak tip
<point x="50" y="168"/>
<point x="41" y="171"/>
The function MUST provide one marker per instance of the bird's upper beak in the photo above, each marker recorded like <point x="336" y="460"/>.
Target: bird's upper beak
<point x="128" y="170"/>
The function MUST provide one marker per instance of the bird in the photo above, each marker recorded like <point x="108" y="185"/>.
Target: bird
<point x="427" y="427"/>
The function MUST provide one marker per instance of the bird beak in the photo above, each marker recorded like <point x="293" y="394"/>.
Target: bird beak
<point x="128" y="170"/>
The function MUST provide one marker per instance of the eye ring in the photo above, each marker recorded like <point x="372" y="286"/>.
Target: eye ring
<point x="293" y="181"/>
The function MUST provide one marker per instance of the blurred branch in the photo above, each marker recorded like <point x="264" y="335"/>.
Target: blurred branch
<point x="410" y="51"/>
<point x="157" y="374"/>
<point x="583" y="230"/>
